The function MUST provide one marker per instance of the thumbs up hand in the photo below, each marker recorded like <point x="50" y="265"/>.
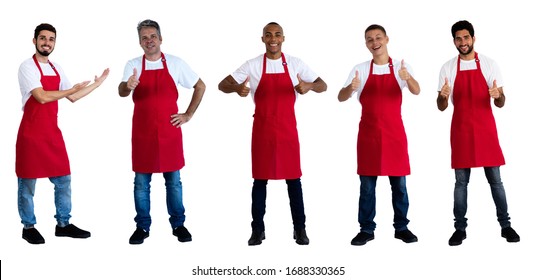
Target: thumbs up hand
<point x="132" y="82"/>
<point x="493" y="91"/>
<point x="302" y="87"/>
<point x="243" y="89"/>
<point x="446" y="90"/>
<point x="403" y="72"/>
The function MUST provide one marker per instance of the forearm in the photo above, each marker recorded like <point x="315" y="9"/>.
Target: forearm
<point x="43" y="96"/>
<point x="345" y="93"/>
<point x="500" y="101"/>
<point x="123" y="89"/>
<point x="228" y="85"/>
<point x="319" y="85"/>
<point x="83" y="92"/>
<point x="413" y="85"/>
<point x="196" y="98"/>
<point x="442" y="102"/>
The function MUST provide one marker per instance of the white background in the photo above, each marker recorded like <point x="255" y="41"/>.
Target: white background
<point x="215" y="37"/>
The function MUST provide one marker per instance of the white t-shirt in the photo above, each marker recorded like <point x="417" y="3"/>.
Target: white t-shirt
<point x="30" y="77"/>
<point x="180" y="71"/>
<point x="489" y="68"/>
<point x="364" y="72"/>
<point x="253" y="69"/>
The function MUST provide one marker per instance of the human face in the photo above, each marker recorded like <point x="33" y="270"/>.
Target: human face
<point x="45" y="42"/>
<point x="376" y="41"/>
<point x="273" y="38"/>
<point x="150" y="42"/>
<point x="464" y="42"/>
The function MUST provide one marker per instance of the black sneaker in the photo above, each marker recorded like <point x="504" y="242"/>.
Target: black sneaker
<point x="362" y="238"/>
<point x="73" y="231"/>
<point x="301" y="237"/>
<point x="510" y="234"/>
<point x="138" y="236"/>
<point x="256" y="237"/>
<point x="182" y="234"/>
<point x="406" y="236"/>
<point x="32" y="235"/>
<point x="457" y="238"/>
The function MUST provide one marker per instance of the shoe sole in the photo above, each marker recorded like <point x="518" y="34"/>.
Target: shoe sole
<point x="456" y="243"/>
<point x="34" y="242"/>
<point x="407" y="240"/>
<point x="184" y="239"/>
<point x="511" y="240"/>
<point x="73" y="236"/>
<point x="362" y="243"/>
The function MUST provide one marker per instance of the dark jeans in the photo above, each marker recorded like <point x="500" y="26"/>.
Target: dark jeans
<point x="460" y="196"/>
<point x="400" y="202"/>
<point x="258" y="209"/>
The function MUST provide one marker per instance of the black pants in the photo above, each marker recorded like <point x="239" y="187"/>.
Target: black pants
<point x="258" y="209"/>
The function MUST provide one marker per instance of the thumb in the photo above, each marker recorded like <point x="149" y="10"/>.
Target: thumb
<point x="403" y="63"/>
<point x="299" y="78"/>
<point x="494" y="84"/>
<point x="446" y="81"/>
<point x="357" y="74"/>
<point x="246" y="80"/>
<point x="135" y="73"/>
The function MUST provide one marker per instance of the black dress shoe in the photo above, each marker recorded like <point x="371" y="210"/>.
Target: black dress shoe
<point x="73" y="231"/>
<point x="138" y="236"/>
<point x="256" y="237"/>
<point x="510" y="234"/>
<point x="301" y="237"/>
<point x="457" y="238"/>
<point x="406" y="236"/>
<point x="182" y="234"/>
<point x="362" y="238"/>
<point x="32" y="236"/>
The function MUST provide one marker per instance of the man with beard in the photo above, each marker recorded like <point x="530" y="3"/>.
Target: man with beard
<point x="470" y="81"/>
<point x="40" y="149"/>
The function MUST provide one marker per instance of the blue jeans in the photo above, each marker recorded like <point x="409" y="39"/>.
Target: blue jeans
<point x="460" y="196"/>
<point x="400" y="202"/>
<point x="258" y="208"/>
<point x="62" y="200"/>
<point x="173" y="188"/>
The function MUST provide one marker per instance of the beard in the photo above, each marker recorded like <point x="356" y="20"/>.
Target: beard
<point x="470" y="49"/>
<point x="43" y="53"/>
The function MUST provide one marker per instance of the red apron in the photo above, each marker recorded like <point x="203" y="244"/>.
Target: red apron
<point x="382" y="142"/>
<point x="40" y="149"/>
<point x="474" y="137"/>
<point x="156" y="143"/>
<point x="275" y="142"/>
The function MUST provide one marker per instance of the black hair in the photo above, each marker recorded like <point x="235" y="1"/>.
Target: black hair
<point x="41" y="27"/>
<point x="461" y="25"/>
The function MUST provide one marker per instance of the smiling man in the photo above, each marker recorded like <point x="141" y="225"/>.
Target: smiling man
<point x="40" y="149"/>
<point x="156" y="126"/>
<point x="382" y="143"/>
<point x="471" y="80"/>
<point x="275" y="80"/>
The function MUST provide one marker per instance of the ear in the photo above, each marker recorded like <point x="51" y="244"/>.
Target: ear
<point x="34" y="41"/>
<point x="283" y="37"/>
